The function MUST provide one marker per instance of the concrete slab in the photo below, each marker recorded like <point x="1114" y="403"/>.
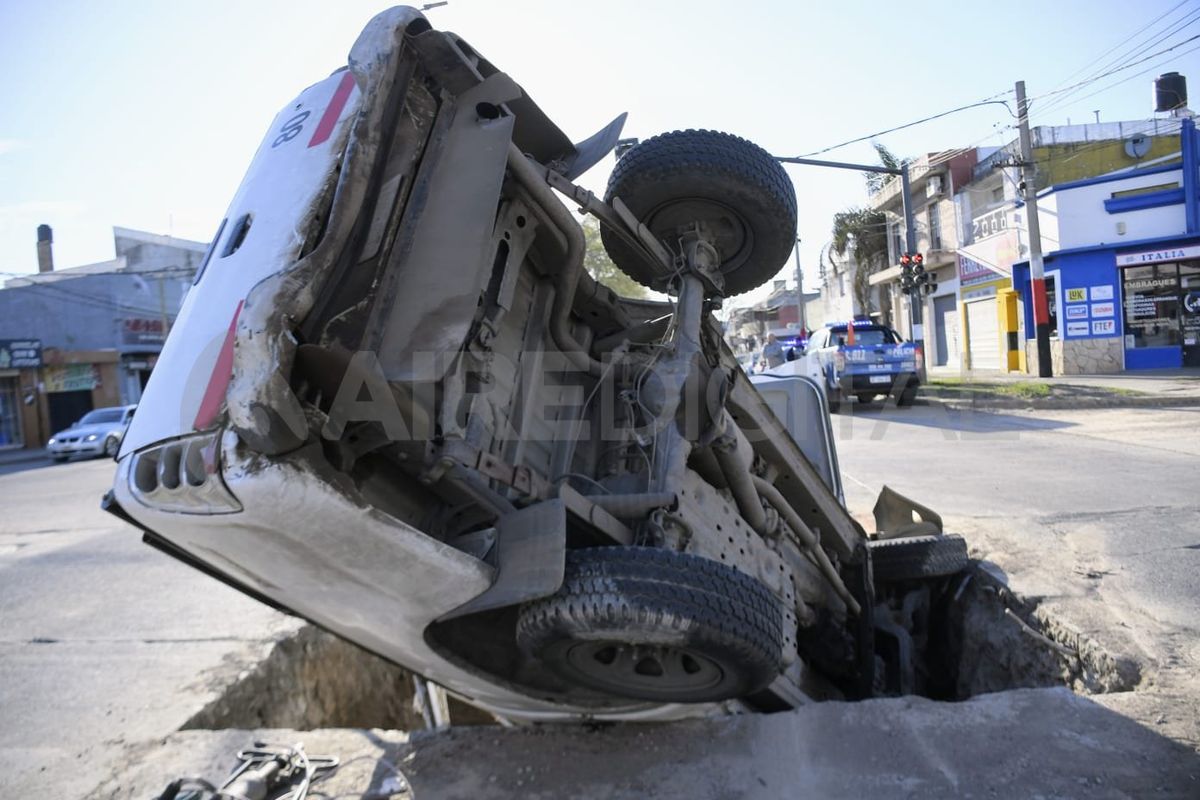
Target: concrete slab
<point x="1029" y="743"/>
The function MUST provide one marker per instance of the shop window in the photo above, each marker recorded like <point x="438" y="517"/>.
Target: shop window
<point x="1151" y="306"/>
<point x="935" y="227"/>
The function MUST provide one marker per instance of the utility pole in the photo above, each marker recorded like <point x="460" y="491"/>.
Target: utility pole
<point x="800" y="311"/>
<point x="1037" y="273"/>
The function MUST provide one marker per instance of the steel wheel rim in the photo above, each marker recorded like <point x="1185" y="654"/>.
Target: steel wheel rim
<point x="733" y="235"/>
<point x="655" y="670"/>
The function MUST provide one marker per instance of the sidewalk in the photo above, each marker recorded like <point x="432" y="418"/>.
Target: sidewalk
<point x="1142" y="388"/>
<point x="23" y="454"/>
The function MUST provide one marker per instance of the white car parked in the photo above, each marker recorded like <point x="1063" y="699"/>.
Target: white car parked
<point x="97" y="433"/>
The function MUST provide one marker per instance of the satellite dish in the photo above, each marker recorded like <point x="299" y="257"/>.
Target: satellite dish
<point x="1137" y="146"/>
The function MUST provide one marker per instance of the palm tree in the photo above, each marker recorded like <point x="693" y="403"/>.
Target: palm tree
<point x="861" y="232"/>
<point x="877" y="180"/>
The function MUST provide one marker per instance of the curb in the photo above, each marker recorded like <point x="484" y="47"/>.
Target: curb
<point x="23" y="456"/>
<point x="998" y="403"/>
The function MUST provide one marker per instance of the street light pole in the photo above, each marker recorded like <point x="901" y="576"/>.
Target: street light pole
<point x="1037" y="273"/>
<point x="910" y="228"/>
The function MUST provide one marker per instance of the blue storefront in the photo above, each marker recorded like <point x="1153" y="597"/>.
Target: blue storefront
<point x="1129" y="305"/>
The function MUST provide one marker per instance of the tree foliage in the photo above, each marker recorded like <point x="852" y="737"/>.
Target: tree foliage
<point x="861" y="233"/>
<point x="601" y="267"/>
<point x="877" y="180"/>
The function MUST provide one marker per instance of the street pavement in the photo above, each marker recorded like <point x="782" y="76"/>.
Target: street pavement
<point x="1111" y="492"/>
<point x="107" y="646"/>
<point x="103" y="640"/>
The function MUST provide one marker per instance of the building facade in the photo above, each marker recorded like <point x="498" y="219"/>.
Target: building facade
<point x="994" y="234"/>
<point x="935" y="178"/>
<point x="86" y="337"/>
<point x="779" y="313"/>
<point x="1122" y="263"/>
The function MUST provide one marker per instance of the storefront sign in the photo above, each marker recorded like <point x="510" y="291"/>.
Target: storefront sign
<point x="1076" y="295"/>
<point x="71" y="378"/>
<point x="1104" y="327"/>
<point x="1102" y="309"/>
<point x="1076" y="312"/>
<point x="1158" y="256"/>
<point x="1077" y="329"/>
<point x="989" y="257"/>
<point x="20" y="353"/>
<point x="990" y="224"/>
<point x="1102" y="292"/>
<point x="137" y="330"/>
<point x="971" y="272"/>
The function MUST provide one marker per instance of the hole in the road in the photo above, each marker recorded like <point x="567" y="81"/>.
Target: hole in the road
<point x="979" y="636"/>
<point x="314" y="680"/>
<point x="991" y="640"/>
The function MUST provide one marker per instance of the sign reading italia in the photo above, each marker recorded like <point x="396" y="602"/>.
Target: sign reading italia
<point x="1158" y="256"/>
<point x="20" y="353"/>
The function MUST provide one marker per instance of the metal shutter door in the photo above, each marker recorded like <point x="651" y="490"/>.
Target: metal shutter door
<point x="983" y="334"/>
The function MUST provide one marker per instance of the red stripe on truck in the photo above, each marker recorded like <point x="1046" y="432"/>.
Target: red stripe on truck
<point x="218" y="382"/>
<point x="333" y="110"/>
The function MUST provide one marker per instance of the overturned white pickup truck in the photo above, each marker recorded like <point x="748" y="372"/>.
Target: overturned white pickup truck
<point x="395" y="404"/>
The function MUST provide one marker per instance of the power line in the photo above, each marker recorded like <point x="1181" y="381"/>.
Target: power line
<point x="1136" y="74"/>
<point x="1127" y="58"/>
<point x="89" y="300"/>
<point x="985" y="102"/>
<point x="1122" y="43"/>
<point x="1061" y="101"/>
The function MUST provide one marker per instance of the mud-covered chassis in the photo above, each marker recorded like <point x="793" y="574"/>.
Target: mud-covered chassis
<point x="621" y="516"/>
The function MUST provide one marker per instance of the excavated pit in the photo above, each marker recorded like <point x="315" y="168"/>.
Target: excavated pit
<point x="1000" y="641"/>
<point x="997" y="642"/>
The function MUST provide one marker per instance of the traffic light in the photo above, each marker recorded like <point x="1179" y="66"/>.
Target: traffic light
<point x="907" y="273"/>
<point x="913" y="277"/>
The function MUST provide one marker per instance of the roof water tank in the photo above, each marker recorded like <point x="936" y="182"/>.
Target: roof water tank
<point x="1170" y="92"/>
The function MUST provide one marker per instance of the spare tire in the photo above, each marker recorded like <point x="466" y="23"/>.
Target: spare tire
<point x="737" y="189"/>
<point x="652" y="624"/>
<point x="917" y="557"/>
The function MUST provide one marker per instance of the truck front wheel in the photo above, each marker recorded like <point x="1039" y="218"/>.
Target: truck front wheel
<point x="656" y="625"/>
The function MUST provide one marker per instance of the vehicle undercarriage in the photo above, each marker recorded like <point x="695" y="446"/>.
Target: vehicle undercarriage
<point x="445" y="442"/>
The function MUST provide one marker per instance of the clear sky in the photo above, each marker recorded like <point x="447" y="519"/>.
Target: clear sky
<point x="145" y="114"/>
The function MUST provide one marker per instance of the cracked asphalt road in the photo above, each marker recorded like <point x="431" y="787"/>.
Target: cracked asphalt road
<point x="107" y="646"/>
<point x="103" y="640"/>
<point x="1094" y="513"/>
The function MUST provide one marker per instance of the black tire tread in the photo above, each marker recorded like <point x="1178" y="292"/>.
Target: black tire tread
<point x="734" y="169"/>
<point x="916" y="557"/>
<point x="622" y="589"/>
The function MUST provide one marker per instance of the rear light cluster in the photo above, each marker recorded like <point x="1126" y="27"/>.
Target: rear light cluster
<point x="183" y="476"/>
<point x="839" y="361"/>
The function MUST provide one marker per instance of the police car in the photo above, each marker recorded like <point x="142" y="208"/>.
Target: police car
<point x="864" y="359"/>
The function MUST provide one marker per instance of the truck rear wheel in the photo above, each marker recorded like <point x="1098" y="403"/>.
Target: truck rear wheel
<point x="734" y="187"/>
<point x="656" y="625"/>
